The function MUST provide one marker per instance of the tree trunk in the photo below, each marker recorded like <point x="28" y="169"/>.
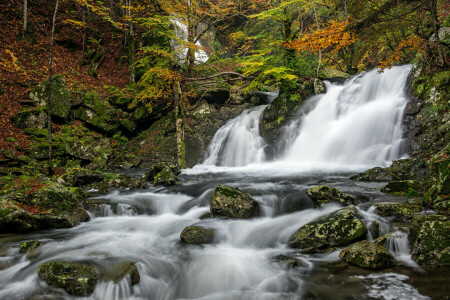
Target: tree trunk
<point x="434" y="16"/>
<point x="179" y="115"/>
<point x="49" y="92"/>
<point x="320" y="51"/>
<point x="25" y="17"/>
<point x="190" y="56"/>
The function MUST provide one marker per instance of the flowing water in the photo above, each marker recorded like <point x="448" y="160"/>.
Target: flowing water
<point x="144" y="226"/>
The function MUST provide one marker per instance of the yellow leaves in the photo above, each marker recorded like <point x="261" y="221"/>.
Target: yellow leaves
<point x="334" y="36"/>
<point x="75" y="23"/>
<point x="414" y="43"/>
<point x="10" y="63"/>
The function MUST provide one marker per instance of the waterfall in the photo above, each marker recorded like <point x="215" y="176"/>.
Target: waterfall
<point x="358" y="123"/>
<point x="181" y="31"/>
<point x="238" y="142"/>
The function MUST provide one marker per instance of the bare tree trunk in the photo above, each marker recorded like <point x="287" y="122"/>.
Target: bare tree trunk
<point x="433" y="10"/>
<point x="49" y="92"/>
<point x="179" y="115"/>
<point x="320" y="51"/>
<point x="190" y="56"/>
<point x="25" y="17"/>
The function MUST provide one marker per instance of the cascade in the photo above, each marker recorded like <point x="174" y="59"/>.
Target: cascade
<point x="181" y="31"/>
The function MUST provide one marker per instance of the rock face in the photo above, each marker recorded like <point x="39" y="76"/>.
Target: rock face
<point x="197" y="235"/>
<point x="400" y="211"/>
<point x="52" y="206"/>
<point x="31" y="118"/>
<point x="336" y="229"/>
<point x="439" y="166"/>
<point x="367" y="255"/>
<point x="75" y="278"/>
<point x="233" y="203"/>
<point x="323" y="194"/>
<point x="432" y="246"/>
<point x="163" y="173"/>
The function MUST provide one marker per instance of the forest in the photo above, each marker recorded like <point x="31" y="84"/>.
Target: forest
<point x="224" y="149"/>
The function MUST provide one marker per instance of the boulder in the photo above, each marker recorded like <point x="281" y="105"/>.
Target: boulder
<point x="75" y="278"/>
<point x="197" y="235"/>
<point x="29" y="246"/>
<point x="40" y="151"/>
<point x="323" y="194"/>
<point x="331" y="74"/>
<point x="80" y="177"/>
<point x="367" y="255"/>
<point x="31" y="118"/>
<point x="40" y="206"/>
<point x="91" y="150"/>
<point x="432" y="246"/>
<point x="61" y="100"/>
<point x="98" y="114"/>
<point x="163" y="173"/>
<point x="400" y="211"/>
<point x="288" y="261"/>
<point x="233" y="203"/>
<point x="336" y="229"/>
<point x="319" y="86"/>
<point x="408" y="187"/>
<point x="375" y="174"/>
<point x="118" y="271"/>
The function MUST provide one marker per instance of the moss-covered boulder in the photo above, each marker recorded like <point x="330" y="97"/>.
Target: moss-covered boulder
<point x="277" y="114"/>
<point x="367" y="255"/>
<point x="61" y="100"/>
<point x="80" y="177"/>
<point x="432" y="246"/>
<point x="197" y="235"/>
<point x="116" y="272"/>
<point x="288" y="261"/>
<point x="323" y="194"/>
<point x="98" y="114"/>
<point x="39" y="151"/>
<point x="440" y="185"/>
<point x="233" y="203"/>
<point x="336" y="229"/>
<point x="29" y="246"/>
<point x="75" y="278"/>
<point x="406" y="187"/>
<point x="31" y="118"/>
<point x="328" y="73"/>
<point x="398" y="210"/>
<point x="163" y="173"/>
<point x="36" y="206"/>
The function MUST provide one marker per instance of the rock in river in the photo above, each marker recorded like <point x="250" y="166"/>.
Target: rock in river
<point x="323" y="194"/>
<point x="197" y="235"/>
<point x="163" y="173"/>
<point x="432" y="246"/>
<point x="367" y="255"/>
<point x="336" y="229"/>
<point x="233" y="203"/>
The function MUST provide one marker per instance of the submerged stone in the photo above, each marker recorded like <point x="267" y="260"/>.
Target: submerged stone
<point x="197" y="235"/>
<point x="432" y="246"/>
<point x="75" y="278"/>
<point x="367" y="255"/>
<point x="336" y="229"/>
<point x="233" y="203"/>
<point x="323" y="194"/>
<point x="288" y="261"/>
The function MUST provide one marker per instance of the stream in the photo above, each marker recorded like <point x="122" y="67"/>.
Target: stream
<point x="351" y="128"/>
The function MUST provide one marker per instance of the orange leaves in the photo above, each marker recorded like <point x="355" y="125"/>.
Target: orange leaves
<point x="414" y="43"/>
<point x="334" y="36"/>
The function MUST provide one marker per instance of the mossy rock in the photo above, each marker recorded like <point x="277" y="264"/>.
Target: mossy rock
<point x="336" y="229"/>
<point x="375" y="174"/>
<point x="29" y="246"/>
<point x="432" y="246"/>
<point x="80" y="177"/>
<point x="233" y="203"/>
<point x="288" y="261"/>
<point x="163" y="173"/>
<point x="31" y="118"/>
<point x="92" y="150"/>
<point x="116" y="272"/>
<point x="400" y="211"/>
<point x="408" y="187"/>
<point x="128" y="125"/>
<point x="61" y="100"/>
<point x="328" y="73"/>
<point x="40" y="151"/>
<point x="75" y="278"/>
<point x="367" y="255"/>
<point x="197" y="235"/>
<point x="323" y="194"/>
<point x="98" y="114"/>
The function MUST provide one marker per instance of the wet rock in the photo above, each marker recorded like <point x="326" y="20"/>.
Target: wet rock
<point x="29" y="246"/>
<point x="336" y="229"/>
<point x="197" y="235"/>
<point x="206" y="215"/>
<point x="400" y="211"/>
<point x="375" y="174"/>
<point x="163" y="173"/>
<point x="319" y="86"/>
<point x="75" y="278"/>
<point x="233" y="203"/>
<point x="432" y="246"/>
<point x="331" y="74"/>
<point x="117" y="272"/>
<point x="323" y="194"/>
<point x="288" y="261"/>
<point x="31" y="118"/>
<point x="80" y="177"/>
<point x="60" y="97"/>
<point x="51" y="206"/>
<point x="382" y="240"/>
<point x="367" y="255"/>
<point x="374" y="229"/>
<point x="402" y="186"/>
